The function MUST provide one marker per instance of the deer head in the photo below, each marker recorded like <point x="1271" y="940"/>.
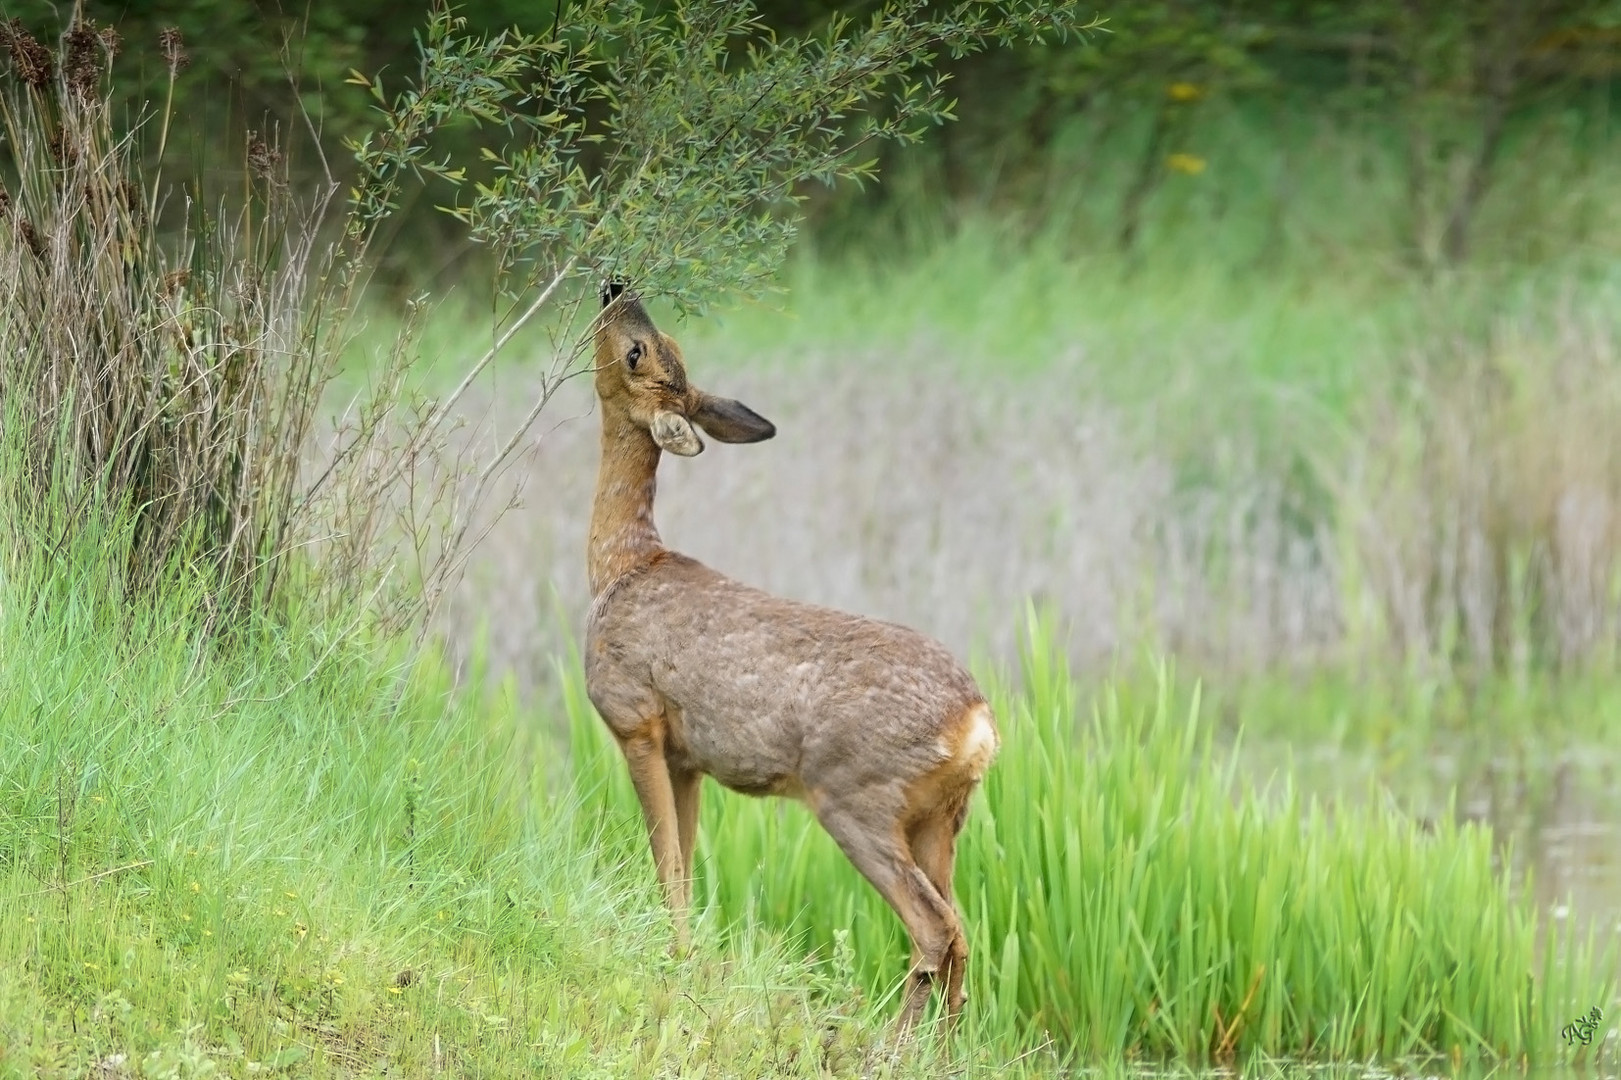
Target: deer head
<point x="641" y="378"/>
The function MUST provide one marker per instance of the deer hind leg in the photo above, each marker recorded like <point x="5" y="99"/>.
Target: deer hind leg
<point x="686" y="785"/>
<point x="650" y="773"/>
<point x="936" y="807"/>
<point x="933" y="839"/>
<point x="877" y="850"/>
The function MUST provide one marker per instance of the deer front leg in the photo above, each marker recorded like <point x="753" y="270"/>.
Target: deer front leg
<point x="650" y="773"/>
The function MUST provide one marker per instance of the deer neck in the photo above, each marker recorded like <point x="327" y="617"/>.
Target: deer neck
<point x="623" y="536"/>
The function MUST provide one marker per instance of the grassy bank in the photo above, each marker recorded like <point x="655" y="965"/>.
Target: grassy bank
<point x="293" y="851"/>
<point x="301" y="854"/>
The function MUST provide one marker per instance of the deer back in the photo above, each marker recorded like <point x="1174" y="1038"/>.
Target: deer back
<point x="768" y="694"/>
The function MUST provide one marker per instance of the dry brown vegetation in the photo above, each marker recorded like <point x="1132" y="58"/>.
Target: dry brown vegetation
<point x="940" y="504"/>
<point x="167" y="354"/>
<point x="1483" y="500"/>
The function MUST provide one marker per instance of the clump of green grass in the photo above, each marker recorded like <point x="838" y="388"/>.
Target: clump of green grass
<point x="1127" y="894"/>
<point x="297" y="852"/>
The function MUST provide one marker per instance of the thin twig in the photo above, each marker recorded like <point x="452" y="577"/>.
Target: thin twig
<point x="86" y="880"/>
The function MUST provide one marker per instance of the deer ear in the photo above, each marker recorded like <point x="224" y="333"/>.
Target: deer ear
<point x="731" y="421"/>
<point x="611" y="290"/>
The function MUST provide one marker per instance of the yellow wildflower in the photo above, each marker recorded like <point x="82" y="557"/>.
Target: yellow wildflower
<point x="1184" y="91"/>
<point x="1187" y="164"/>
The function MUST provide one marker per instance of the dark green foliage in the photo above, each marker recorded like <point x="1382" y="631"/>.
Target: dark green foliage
<point x="665" y="147"/>
<point x="1459" y="88"/>
<point x="1453" y="83"/>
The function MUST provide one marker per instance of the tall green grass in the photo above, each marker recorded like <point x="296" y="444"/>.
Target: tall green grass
<point x="1127" y="893"/>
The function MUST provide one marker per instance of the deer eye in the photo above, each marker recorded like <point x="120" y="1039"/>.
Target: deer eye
<point x="633" y="356"/>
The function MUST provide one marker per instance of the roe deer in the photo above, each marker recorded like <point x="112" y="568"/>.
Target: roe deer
<point x="875" y="727"/>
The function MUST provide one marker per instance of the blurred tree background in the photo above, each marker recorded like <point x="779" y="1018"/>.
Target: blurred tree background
<point x="1426" y="111"/>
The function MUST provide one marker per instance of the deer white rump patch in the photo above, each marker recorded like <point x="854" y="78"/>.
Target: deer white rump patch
<point x="979" y="741"/>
